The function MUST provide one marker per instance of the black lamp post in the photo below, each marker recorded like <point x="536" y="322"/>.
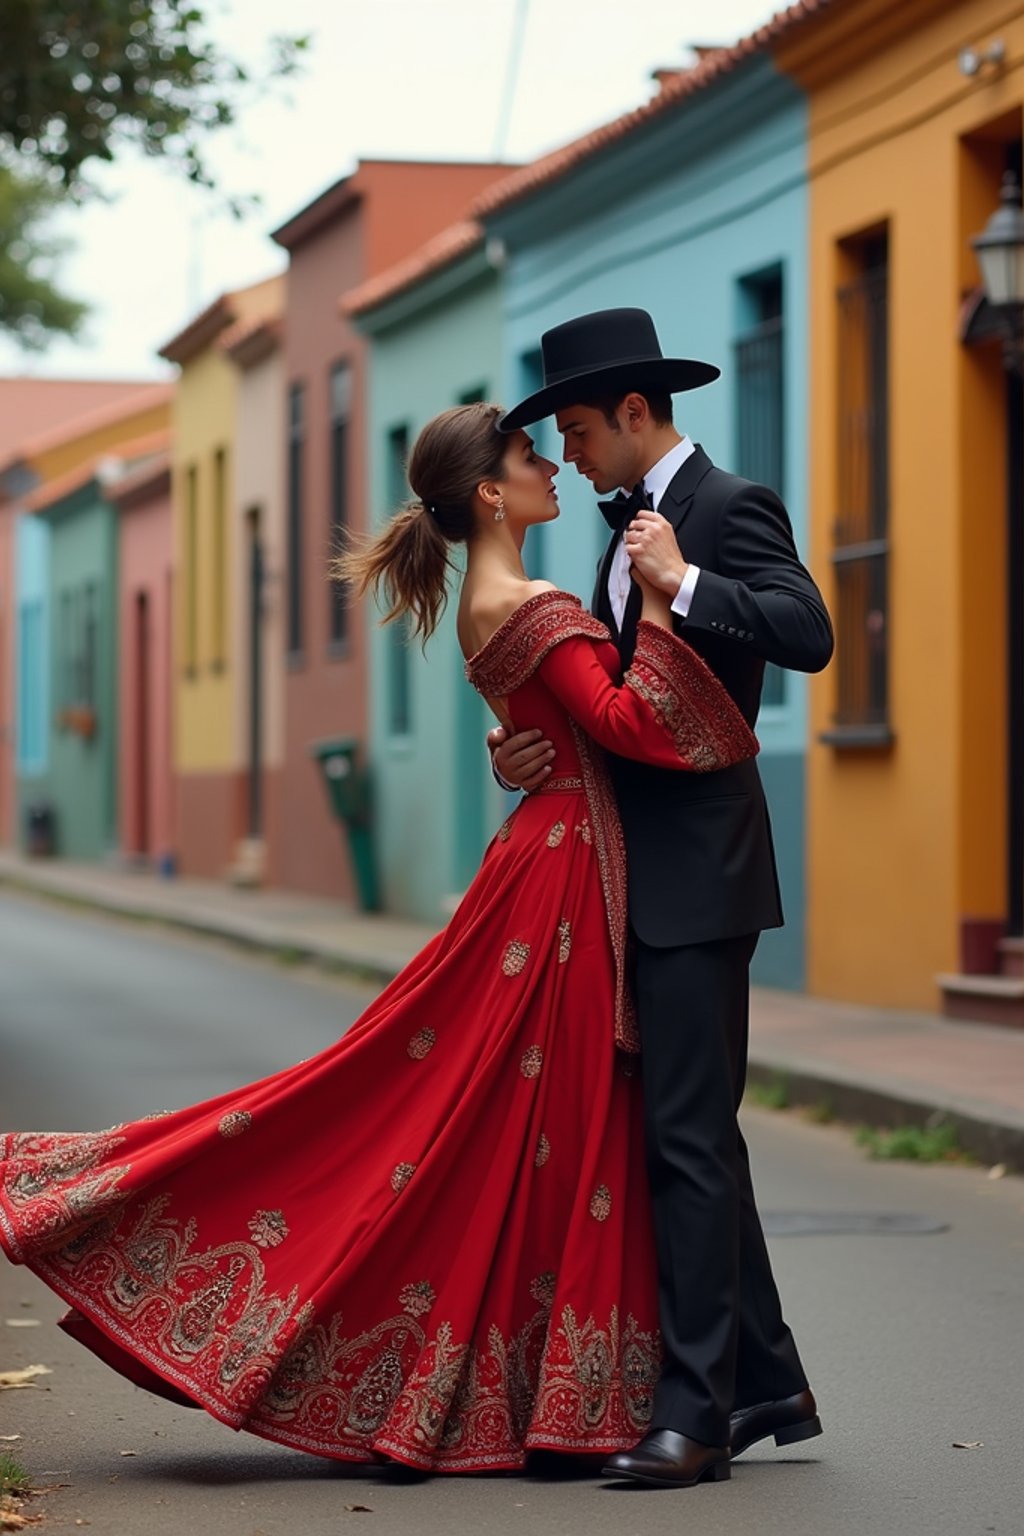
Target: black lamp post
<point x="1000" y="252"/>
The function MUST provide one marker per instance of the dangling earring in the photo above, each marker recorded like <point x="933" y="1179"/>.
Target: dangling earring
<point x="499" y="511"/>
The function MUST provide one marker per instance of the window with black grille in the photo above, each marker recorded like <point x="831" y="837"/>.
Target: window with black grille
<point x="296" y="458"/>
<point x="397" y="636"/>
<point x="341" y="411"/>
<point x="760" y="406"/>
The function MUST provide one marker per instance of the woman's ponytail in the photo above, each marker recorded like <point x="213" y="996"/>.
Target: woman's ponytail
<point x="409" y="561"/>
<point x="407" y="564"/>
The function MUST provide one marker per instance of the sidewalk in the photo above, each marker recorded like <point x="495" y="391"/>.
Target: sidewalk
<point x="885" y="1066"/>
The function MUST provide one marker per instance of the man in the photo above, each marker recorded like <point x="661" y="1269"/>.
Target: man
<point x="702" y="878"/>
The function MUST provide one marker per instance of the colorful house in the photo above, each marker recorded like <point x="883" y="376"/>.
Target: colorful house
<point x="63" y="457"/>
<point x="356" y="229"/>
<point x="434" y="324"/>
<point x="212" y="816"/>
<point x="916" y="793"/>
<point x="79" y="777"/>
<point x="141" y="497"/>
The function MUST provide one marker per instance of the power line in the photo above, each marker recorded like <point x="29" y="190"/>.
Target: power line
<point x="515" y="53"/>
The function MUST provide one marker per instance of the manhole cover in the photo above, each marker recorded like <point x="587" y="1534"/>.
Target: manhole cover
<point x="858" y="1223"/>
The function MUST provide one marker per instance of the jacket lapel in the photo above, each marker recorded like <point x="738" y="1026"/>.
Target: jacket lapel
<point x="679" y="496"/>
<point x="601" y="606"/>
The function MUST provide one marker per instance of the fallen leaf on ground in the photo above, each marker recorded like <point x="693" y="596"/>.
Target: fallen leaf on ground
<point x="997" y="1171"/>
<point x="25" y="1378"/>
<point x="362" y="1509"/>
<point x="10" y="1520"/>
<point x="129" y="1453"/>
<point x="22" y="1322"/>
<point x="968" y="1445"/>
<point x="7" y="1439"/>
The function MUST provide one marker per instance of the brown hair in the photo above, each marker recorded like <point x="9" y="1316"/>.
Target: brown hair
<point x="411" y="558"/>
<point x="659" y="403"/>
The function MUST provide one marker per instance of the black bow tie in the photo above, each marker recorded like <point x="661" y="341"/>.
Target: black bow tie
<point x="622" y="509"/>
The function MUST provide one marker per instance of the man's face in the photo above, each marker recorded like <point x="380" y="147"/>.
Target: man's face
<point x="603" y="453"/>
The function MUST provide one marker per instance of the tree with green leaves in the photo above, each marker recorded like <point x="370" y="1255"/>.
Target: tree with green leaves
<point x="80" y="82"/>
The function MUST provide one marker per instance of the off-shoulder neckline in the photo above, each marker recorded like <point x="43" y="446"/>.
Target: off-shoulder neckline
<point x="531" y="602"/>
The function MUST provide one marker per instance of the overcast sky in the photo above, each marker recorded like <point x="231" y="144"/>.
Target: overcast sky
<point x="423" y="79"/>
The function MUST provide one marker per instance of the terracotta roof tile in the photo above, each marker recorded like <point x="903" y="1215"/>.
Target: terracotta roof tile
<point x="455" y="241"/>
<point x="125" y="454"/>
<point x="713" y="66"/>
<point x="30" y="406"/>
<point x="142" y="397"/>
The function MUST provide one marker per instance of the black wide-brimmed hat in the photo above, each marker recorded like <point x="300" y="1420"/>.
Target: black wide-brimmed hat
<point x="599" y="354"/>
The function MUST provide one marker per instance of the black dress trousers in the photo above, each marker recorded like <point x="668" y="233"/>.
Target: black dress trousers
<point x="725" y="1342"/>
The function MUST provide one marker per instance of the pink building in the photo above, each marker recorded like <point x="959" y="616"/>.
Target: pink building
<point x="358" y="228"/>
<point x="145" y="703"/>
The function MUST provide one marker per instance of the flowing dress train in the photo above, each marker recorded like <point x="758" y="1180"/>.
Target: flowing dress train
<point x="432" y="1240"/>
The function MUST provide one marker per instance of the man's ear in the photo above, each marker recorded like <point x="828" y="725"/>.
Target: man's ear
<point x="636" y="411"/>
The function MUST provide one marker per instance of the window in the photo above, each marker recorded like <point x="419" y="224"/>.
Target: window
<point x="861" y="541"/>
<point x="296" y="444"/>
<point x="191" y="568"/>
<point x="397" y="638"/>
<point x="220" y="556"/>
<point x="341" y="410"/>
<point x="760" y="406"/>
<point x="87" y="646"/>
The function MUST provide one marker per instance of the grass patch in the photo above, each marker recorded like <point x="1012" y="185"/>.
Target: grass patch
<point x="821" y="1113"/>
<point x="14" y="1480"/>
<point x="937" y="1143"/>
<point x="772" y="1094"/>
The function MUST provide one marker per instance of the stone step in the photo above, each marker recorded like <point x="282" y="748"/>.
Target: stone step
<point x="983" y="999"/>
<point x="1011" y="957"/>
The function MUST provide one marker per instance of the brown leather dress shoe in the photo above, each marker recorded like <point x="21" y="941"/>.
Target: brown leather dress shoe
<point x="789" y="1419"/>
<point x="666" y="1459"/>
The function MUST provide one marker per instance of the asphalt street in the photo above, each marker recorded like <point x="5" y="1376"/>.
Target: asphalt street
<point x="912" y="1343"/>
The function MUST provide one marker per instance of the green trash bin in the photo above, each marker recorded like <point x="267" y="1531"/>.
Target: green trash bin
<point x="348" y="791"/>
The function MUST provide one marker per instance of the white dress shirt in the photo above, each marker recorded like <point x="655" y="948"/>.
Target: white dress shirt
<point x="656" y="483"/>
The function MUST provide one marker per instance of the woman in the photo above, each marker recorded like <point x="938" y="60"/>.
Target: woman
<point x="430" y="1242"/>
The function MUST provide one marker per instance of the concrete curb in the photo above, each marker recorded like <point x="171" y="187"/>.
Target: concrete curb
<point x="863" y="1101"/>
<point x="989" y="1135"/>
<point x="286" y="948"/>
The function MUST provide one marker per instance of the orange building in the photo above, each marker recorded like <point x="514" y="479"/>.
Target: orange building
<point x="915" y="789"/>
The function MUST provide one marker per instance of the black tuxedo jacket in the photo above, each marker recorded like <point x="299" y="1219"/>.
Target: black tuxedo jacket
<point x="699" y="846"/>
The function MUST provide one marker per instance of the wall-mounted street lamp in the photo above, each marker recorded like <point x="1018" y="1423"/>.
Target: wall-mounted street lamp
<point x="1000" y="252"/>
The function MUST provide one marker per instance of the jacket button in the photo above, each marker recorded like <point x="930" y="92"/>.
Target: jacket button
<point x="732" y="629"/>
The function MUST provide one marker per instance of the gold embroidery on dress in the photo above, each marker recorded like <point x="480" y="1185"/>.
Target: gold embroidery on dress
<point x="542" y="1289"/>
<point x="543" y="1151"/>
<point x="505" y="830"/>
<point x="610" y="848"/>
<point x="533" y="1060"/>
<point x="515" y="957"/>
<point x="601" y="1203"/>
<point x="59" y="1181"/>
<point x="564" y="940"/>
<point x="403" y="1172"/>
<point x="268" y="1228"/>
<point x="556" y="834"/>
<point x="518" y="646"/>
<point x="422" y="1043"/>
<point x="583" y="828"/>
<point x="417" y="1298"/>
<point x="234" y="1123"/>
<point x="688" y="701"/>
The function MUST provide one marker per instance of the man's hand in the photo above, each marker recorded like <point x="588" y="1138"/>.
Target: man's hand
<point x="524" y="759"/>
<point x="651" y="545"/>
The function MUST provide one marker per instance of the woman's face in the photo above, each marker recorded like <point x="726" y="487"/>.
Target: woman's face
<point x="527" y="484"/>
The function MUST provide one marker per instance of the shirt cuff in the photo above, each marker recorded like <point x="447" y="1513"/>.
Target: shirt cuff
<point x="513" y="789"/>
<point x="684" y="597"/>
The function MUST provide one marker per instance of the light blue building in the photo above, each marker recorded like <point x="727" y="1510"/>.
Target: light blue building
<point x="433" y="344"/>
<point x="698" y="213"/>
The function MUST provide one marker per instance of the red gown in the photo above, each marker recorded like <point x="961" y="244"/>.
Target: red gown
<point x="432" y="1240"/>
